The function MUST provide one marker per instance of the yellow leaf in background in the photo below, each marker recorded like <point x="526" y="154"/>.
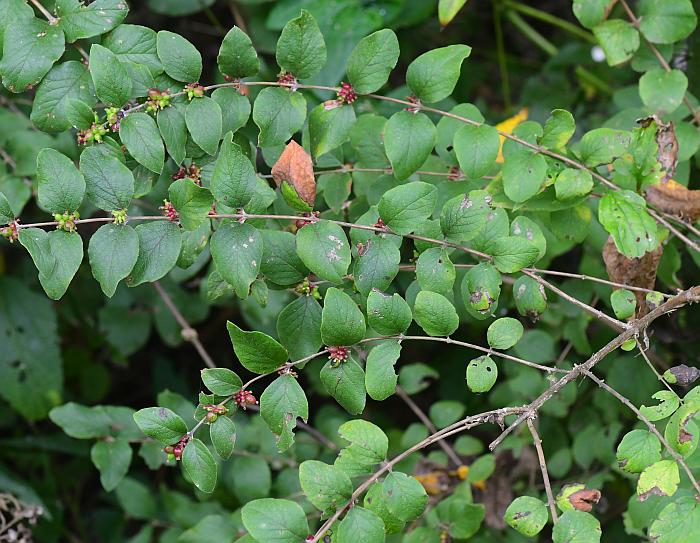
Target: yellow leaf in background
<point x="508" y="126"/>
<point x="448" y="9"/>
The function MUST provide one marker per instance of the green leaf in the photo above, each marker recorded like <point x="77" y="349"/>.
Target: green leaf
<point x="112" y="83"/>
<point x="237" y="251"/>
<point x="135" y="44"/>
<point x="576" y="527"/>
<point x="573" y="183"/>
<point x="638" y="450"/>
<point x="663" y="91"/>
<point x="324" y="249"/>
<point x="300" y="47"/>
<point x="623" y="214"/>
<point x="372" y="60"/>
<point x="329" y="128"/>
<point x="435" y="314"/>
<point x="78" y="20"/>
<point x="405" y="496"/>
<point x="237" y="57"/>
<point x="624" y="303"/>
<point x="61" y="185"/>
<point x="30" y="48"/>
<point x="603" y="145"/>
<point x="280" y="404"/>
<point x="360" y="525"/>
<point x="299" y="327"/>
<point x="526" y="228"/>
<point x="477" y="149"/>
<point x="409" y="138"/>
<point x="677" y="522"/>
<point x="448" y="9"/>
<point x="375" y="502"/>
<point x="113" y="252"/>
<point x="109" y="183"/>
<point x="223" y="436"/>
<point x="161" y="424"/>
<point x="619" y="40"/>
<point x="192" y="202"/>
<point x="435" y="271"/>
<point x="159" y="248"/>
<point x="235" y="108"/>
<point x="463" y="217"/>
<point x="179" y="57"/>
<point x="204" y="121"/>
<point x="112" y="458"/>
<point x="659" y="479"/>
<point x="346" y="383"/>
<point x="82" y="422"/>
<point x="377" y="266"/>
<point x="558" y="129"/>
<point x="6" y="213"/>
<point x="403" y="208"/>
<point x="666" y="21"/>
<point x="342" y="322"/>
<point x="464" y="519"/>
<point x="433" y="75"/>
<point x="482" y="373"/>
<point x="280" y="264"/>
<point x="233" y="181"/>
<point x="503" y="333"/>
<point x="592" y="12"/>
<point x="141" y="136"/>
<point x="388" y="315"/>
<point x="221" y="381"/>
<point x="279" y="114"/>
<point x="681" y="433"/>
<point x="199" y="464"/>
<point x="325" y="486"/>
<point x="270" y="520"/>
<point x="78" y="113"/>
<point x="524" y="172"/>
<point x="380" y="377"/>
<point x="65" y="82"/>
<point x="257" y="351"/>
<point x="530" y="297"/>
<point x="527" y="515"/>
<point x="57" y="255"/>
<point x="513" y="253"/>
<point x="173" y="129"/>
<point x="368" y="447"/>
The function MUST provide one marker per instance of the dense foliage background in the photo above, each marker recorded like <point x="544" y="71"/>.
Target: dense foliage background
<point x="596" y="97"/>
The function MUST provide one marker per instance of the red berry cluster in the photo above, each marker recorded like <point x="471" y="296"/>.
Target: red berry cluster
<point x="169" y="211"/>
<point x="176" y="450"/>
<point x="346" y="94"/>
<point x="244" y="398"/>
<point x="193" y="172"/>
<point x="312" y="216"/>
<point x="10" y="232"/>
<point x="338" y="355"/>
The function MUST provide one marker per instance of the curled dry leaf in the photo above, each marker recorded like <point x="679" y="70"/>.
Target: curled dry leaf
<point x="294" y="174"/>
<point x="667" y="153"/>
<point x="637" y="272"/>
<point x="585" y="499"/>
<point x="682" y="375"/>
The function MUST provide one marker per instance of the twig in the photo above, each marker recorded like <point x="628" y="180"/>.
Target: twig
<point x="653" y="368"/>
<point x="543" y="467"/>
<point x="676" y="456"/>
<point x="237" y="16"/>
<point x="45" y="12"/>
<point x="449" y="451"/>
<point x="690" y="243"/>
<point x="188" y="333"/>
<point x="635" y="327"/>
<point x="460" y="426"/>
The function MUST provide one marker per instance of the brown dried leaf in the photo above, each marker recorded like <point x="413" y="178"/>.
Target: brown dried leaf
<point x="672" y="197"/>
<point x="685" y="375"/>
<point x="585" y="499"/>
<point x="667" y="155"/>
<point x="296" y="168"/>
<point x="637" y="272"/>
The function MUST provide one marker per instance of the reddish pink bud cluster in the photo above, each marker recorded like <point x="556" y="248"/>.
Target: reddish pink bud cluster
<point x="414" y="100"/>
<point x="288" y="80"/>
<point x="244" y="398"/>
<point x="299" y="223"/>
<point x="216" y="409"/>
<point x="454" y="174"/>
<point x="338" y="355"/>
<point x="169" y="211"/>
<point x="347" y="93"/>
<point x="10" y="232"/>
<point x="288" y="371"/>
<point x="177" y="449"/>
<point x="193" y="90"/>
<point x="194" y="172"/>
<point x="379" y="223"/>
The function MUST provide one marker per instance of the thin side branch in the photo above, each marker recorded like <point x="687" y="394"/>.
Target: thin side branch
<point x="543" y="467"/>
<point x="45" y="12"/>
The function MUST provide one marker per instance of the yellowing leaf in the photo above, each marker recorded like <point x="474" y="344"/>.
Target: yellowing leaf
<point x="448" y="10"/>
<point x="508" y="126"/>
